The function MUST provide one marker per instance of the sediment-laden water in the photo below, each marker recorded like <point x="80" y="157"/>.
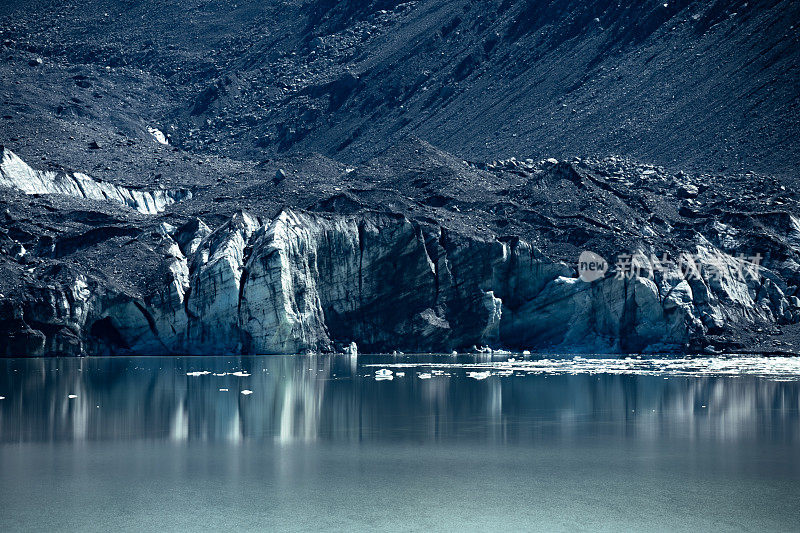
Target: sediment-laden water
<point x="399" y="442"/>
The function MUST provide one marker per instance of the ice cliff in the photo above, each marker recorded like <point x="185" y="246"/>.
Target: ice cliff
<point x="307" y="282"/>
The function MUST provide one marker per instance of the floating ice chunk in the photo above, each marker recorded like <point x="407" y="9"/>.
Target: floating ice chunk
<point x="73" y="396"/>
<point x="424" y="375"/>
<point x="479" y="375"/>
<point x="200" y="373"/>
<point x="158" y="135"/>
<point x="240" y="374"/>
<point x="247" y="392"/>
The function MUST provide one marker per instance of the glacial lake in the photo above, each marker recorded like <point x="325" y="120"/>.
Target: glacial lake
<point x="407" y="442"/>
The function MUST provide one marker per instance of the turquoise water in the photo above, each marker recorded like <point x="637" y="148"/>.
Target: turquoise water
<point x="399" y="443"/>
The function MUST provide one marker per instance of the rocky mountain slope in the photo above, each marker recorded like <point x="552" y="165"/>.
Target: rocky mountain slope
<point x="702" y="85"/>
<point x="268" y="177"/>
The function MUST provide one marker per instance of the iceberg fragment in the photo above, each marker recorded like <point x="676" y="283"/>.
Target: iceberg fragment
<point x="383" y="374"/>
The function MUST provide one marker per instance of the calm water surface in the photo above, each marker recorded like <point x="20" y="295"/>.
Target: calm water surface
<point x="399" y="443"/>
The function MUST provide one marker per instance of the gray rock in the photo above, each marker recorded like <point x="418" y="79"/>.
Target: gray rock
<point x="688" y="191"/>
